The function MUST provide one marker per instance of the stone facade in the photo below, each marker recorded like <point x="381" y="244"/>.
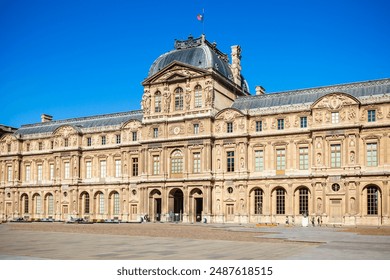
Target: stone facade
<point x="203" y="149"/>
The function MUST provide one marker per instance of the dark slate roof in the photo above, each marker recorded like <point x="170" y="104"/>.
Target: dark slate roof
<point x="81" y="123"/>
<point x="196" y="52"/>
<point x="304" y="96"/>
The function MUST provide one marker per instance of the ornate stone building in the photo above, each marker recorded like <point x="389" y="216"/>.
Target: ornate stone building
<point x="203" y="148"/>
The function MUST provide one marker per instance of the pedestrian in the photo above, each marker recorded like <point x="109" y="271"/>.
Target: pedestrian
<point x="312" y="221"/>
<point x="318" y="221"/>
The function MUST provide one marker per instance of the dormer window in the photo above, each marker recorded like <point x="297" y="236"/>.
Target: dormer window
<point x="335" y="117"/>
<point x="198" y="96"/>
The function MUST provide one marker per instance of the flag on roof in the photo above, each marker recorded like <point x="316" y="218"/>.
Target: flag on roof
<point x="199" y="17"/>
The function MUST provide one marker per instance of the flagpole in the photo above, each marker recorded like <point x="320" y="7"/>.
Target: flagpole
<point x="203" y="22"/>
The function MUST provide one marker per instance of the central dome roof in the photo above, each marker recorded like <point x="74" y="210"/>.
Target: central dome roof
<point x="196" y="52"/>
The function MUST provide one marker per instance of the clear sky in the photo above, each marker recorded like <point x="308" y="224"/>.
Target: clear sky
<point x="71" y="58"/>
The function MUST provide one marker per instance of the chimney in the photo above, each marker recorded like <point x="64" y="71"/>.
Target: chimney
<point x="46" y="118"/>
<point x="260" y="90"/>
<point x="236" y="64"/>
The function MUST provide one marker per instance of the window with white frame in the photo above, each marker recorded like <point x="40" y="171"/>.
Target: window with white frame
<point x="178" y="99"/>
<point x="89" y="141"/>
<point x="28" y="173"/>
<point x="230" y="161"/>
<point x="372" y="154"/>
<point x="259" y="160"/>
<point x="135" y="166"/>
<point x="88" y="170"/>
<point x="371" y="115"/>
<point x="118" y="168"/>
<point x="280" y="124"/>
<point x="155" y="132"/>
<point x="372" y="200"/>
<point x="303" y="158"/>
<point x="51" y="171"/>
<point x="50" y="204"/>
<point x="303" y="201"/>
<point x="116" y="204"/>
<point x="134" y="136"/>
<point x="66" y="170"/>
<point x="101" y="203"/>
<point x="177" y="162"/>
<point x="39" y="171"/>
<point x="103" y="169"/>
<point x="335" y="155"/>
<point x="280" y="159"/>
<point x="157" y="102"/>
<point x="9" y="173"/>
<point x="37" y="204"/>
<point x="229" y="127"/>
<point x="156" y="164"/>
<point x="335" y="117"/>
<point x="259" y="126"/>
<point x="103" y="140"/>
<point x="280" y="201"/>
<point x="196" y="128"/>
<point x="196" y="162"/>
<point x="198" y="96"/>
<point x="118" y="138"/>
<point x="303" y="122"/>
<point x="258" y="201"/>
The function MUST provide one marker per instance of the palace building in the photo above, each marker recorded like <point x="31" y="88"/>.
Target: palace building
<point x="202" y="148"/>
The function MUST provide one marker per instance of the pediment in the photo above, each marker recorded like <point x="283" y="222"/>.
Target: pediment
<point x="66" y="130"/>
<point x="133" y="125"/>
<point x="335" y="101"/>
<point x="174" y="71"/>
<point x="229" y="200"/>
<point x="8" y="138"/>
<point x="229" y="114"/>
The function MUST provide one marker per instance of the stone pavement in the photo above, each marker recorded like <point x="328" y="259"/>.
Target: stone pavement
<point x="281" y="243"/>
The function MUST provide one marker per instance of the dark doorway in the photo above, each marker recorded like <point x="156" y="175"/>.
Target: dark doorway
<point x="198" y="208"/>
<point x="176" y="205"/>
<point x="157" y="209"/>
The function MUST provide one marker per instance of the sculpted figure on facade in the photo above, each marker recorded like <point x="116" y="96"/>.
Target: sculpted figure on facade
<point x="167" y="100"/>
<point x="146" y="101"/>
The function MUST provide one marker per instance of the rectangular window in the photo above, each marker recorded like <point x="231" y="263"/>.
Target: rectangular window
<point x="52" y="145"/>
<point x="155" y="132"/>
<point x="116" y="204"/>
<point x="101" y="204"/>
<point x="103" y="169"/>
<point x="37" y="204"/>
<point x="66" y="170"/>
<point x="280" y="159"/>
<point x="371" y="115"/>
<point x="157" y="103"/>
<point x="335" y="117"/>
<point x="66" y="142"/>
<point x="304" y="158"/>
<point x="50" y="205"/>
<point x="134" y="136"/>
<point x="230" y="161"/>
<point x="40" y="146"/>
<point x="39" y="177"/>
<point x="280" y="201"/>
<point x="196" y="128"/>
<point x="118" y="139"/>
<point x="335" y="155"/>
<point x="372" y="154"/>
<point x="28" y="147"/>
<point x="9" y="173"/>
<point x="103" y="140"/>
<point x="196" y="167"/>
<point x="156" y="165"/>
<point x="280" y="124"/>
<point x="259" y="160"/>
<point x="118" y="168"/>
<point x="198" y="97"/>
<point x="135" y="166"/>
<point x="51" y="171"/>
<point x="177" y="165"/>
<point x="259" y="126"/>
<point x="89" y="141"/>
<point x="303" y="122"/>
<point x="8" y="148"/>
<point x="229" y="127"/>
<point x="88" y="170"/>
<point x="28" y="173"/>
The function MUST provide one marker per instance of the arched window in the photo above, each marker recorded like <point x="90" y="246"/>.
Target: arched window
<point x="24" y="200"/>
<point x="280" y="201"/>
<point x="115" y="203"/>
<point x="85" y="202"/>
<point x="258" y="201"/>
<point x="50" y="204"/>
<point x="100" y="203"/>
<point x="198" y="97"/>
<point x="177" y="162"/>
<point x="157" y="102"/>
<point x="178" y="99"/>
<point x="372" y="200"/>
<point x="37" y="204"/>
<point x="303" y="201"/>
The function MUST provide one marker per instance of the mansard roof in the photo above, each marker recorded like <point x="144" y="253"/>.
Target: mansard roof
<point x="91" y="122"/>
<point x="358" y="90"/>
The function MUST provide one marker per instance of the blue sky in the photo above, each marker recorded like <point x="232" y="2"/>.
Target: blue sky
<point x="88" y="57"/>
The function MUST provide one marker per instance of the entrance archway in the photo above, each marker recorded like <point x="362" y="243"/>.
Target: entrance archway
<point x="155" y="205"/>
<point x="196" y="205"/>
<point x="176" y="205"/>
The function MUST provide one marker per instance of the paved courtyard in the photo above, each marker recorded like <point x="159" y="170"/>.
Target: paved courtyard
<point x="190" y="242"/>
